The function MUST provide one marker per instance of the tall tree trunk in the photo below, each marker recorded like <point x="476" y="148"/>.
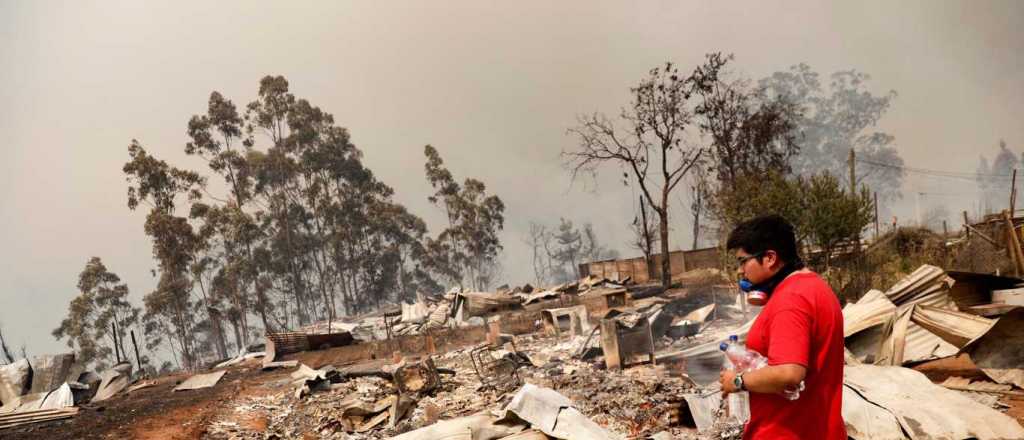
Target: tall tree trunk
<point x="696" y="218"/>
<point x="666" y="268"/>
<point x="218" y="328"/>
<point x="648" y="241"/>
<point x="298" y="287"/>
<point x="238" y="335"/>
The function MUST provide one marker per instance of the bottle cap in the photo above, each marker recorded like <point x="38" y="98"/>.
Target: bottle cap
<point x="723" y="346"/>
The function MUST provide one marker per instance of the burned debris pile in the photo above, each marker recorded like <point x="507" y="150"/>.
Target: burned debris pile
<point x="596" y="359"/>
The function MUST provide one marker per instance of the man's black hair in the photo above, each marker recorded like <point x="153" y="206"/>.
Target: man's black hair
<point x="764" y="233"/>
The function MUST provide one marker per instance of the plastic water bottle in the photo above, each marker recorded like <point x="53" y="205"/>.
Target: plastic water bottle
<point x="742" y="360"/>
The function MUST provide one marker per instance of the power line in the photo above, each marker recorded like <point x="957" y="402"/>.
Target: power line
<point x="937" y="173"/>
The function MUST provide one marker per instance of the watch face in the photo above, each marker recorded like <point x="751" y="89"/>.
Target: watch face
<point x="738" y="382"/>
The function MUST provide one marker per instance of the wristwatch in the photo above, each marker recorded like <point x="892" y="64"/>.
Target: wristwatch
<point x="737" y="381"/>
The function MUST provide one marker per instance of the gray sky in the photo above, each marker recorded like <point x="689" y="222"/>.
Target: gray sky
<point x="492" y="85"/>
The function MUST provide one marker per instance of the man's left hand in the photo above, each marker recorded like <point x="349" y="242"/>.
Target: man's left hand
<point x="725" y="379"/>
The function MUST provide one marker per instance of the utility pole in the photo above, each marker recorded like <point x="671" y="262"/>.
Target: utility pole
<point x="853" y="175"/>
<point x="853" y="190"/>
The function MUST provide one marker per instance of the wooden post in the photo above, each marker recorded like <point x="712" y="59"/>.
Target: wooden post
<point x="945" y="240"/>
<point x="1013" y="192"/>
<point x="431" y="347"/>
<point x="494" y="330"/>
<point x="1014" y="245"/>
<point x="650" y="345"/>
<point x="967" y="226"/>
<point x="113" y="331"/>
<point x="1013" y="254"/>
<point x="876" y="215"/>
<point x="610" y="344"/>
<point x="982" y="235"/>
<point x="138" y="360"/>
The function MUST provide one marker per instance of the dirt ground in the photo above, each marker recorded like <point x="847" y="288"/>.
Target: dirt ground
<point x="159" y="413"/>
<point x="155" y="412"/>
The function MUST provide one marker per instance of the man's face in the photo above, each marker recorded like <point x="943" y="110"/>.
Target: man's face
<point x="757" y="268"/>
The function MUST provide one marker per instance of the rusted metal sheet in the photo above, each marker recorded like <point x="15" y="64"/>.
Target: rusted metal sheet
<point x="284" y="343"/>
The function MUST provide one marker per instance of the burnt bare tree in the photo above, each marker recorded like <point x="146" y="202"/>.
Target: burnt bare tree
<point x="643" y="237"/>
<point x="538" y="240"/>
<point x="655" y="140"/>
<point x="753" y="134"/>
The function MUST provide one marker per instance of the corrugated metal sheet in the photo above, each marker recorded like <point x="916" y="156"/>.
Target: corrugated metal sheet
<point x="957" y="328"/>
<point x="285" y="342"/>
<point x="921" y="281"/>
<point x="906" y="342"/>
<point x="1000" y="351"/>
<point x="874" y="308"/>
<point x="936" y="295"/>
<point x="867" y="421"/>
<point x="922" y="345"/>
<point x="947" y="414"/>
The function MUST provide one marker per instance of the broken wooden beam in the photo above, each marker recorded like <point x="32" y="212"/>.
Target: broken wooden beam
<point x="20" y="418"/>
<point x="980" y="234"/>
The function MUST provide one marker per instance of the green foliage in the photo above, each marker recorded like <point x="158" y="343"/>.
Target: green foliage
<point x="304" y="232"/>
<point x="832" y="215"/>
<point x="102" y="301"/>
<point x="823" y="212"/>
<point x="467" y="250"/>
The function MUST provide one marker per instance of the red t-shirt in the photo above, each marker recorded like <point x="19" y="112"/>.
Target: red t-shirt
<point x="802" y="323"/>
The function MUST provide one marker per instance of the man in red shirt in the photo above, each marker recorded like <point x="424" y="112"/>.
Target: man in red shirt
<point x="800" y="331"/>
